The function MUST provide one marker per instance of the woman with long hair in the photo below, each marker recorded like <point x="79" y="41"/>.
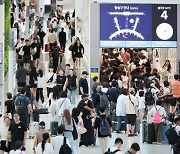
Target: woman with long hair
<point x="166" y="70"/>
<point x="62" y="104"/>
<point x="67" y="121"/>
<point x="45" y="147"/>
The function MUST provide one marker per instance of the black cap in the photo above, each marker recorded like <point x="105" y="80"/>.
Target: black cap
<point x="84" y="95"/>
<point x="85" y="72"/>
<point x="42" y="124"/>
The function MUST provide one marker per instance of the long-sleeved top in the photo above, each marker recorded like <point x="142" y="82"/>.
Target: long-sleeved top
<point x="52" y="38"/>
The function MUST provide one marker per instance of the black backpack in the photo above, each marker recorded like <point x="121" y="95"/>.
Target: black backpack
<point x="21" y="107"/>
<point x="149" y="98"/>
<point x="109" y="151"/>
<point x="55" y="52"/>
<point x="104" y="127"/>
<point x="172" y="136"/>
<point x="104" y="100"/>
<point x="65" y="149"/>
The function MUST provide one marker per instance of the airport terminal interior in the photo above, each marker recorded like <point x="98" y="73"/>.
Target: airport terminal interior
<point x="102" y="74"/>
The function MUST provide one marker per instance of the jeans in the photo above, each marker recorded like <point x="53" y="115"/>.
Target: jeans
<point x="68" y="134"/>
<point x="120" y="119"/>
<point x="72" y="96"/>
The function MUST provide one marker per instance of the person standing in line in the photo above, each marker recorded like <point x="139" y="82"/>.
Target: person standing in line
<point x="21" y="75"/>
<point x="62" y="39"/>
<point x="55" y="54"/>
<point x="116" y="149"/>
<point x="78" y="50"/>
<point x="45" y="147"/>
<point x="175" y="86"/>
<point x="17" y="131"/>
<point x="83" y="84"/>
<point x="120" y="109"/>
<point x="71" y="85"/>
<point x="96" y="83"/>
<point x="27" y="54"/>
<point x="131" y="111"/>
<point x="3" y="136"/>
<point x="103" y="123"/>
<point x="51" y="80"/>
<point x="134" y="149"/>
<point x="40" y="85"/>
<point x="41" y="35"/>
<point x="57" y="141"/>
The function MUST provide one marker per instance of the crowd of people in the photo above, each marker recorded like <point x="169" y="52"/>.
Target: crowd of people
<point x="129" y="89"/>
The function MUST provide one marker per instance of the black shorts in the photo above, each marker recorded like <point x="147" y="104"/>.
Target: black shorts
<point x="173" y="103"/>
<point x="26" y="59"/>
<point x="3" y="146"/>
<point x="131" y="119"/>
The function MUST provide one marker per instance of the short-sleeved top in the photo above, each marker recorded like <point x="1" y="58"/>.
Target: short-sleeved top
<point x="25" y="99"/>
<point x="61" y="80"/>
<point x="10" y="106"/>
<point x="17" y="131"/>
<point x="26" y="50"/>
<point x="97" y="124"/>
<point x="84" y="84"/>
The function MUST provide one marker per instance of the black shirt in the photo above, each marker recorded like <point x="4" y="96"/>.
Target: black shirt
<point x="26" y="50"/>
<point x="10" y="106"/>
<point x="17" y="131"/>
<point x="113" y="94"/>
<point x="71" y="81"/>
<point x="61" y="80"/>
<point x="97" y="124"/>
<point x="33" y="45"/>
<point x="84" y="84"/>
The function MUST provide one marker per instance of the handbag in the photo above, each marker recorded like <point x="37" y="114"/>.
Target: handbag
<point x="81" y="129"/>
<point x="74" y="132"/>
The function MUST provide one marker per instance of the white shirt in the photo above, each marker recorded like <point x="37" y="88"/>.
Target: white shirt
<point x="161" y="110"/>
<point x="114" y="148"/>
<point x="61" y="107"/>
<point x="124" y="81"/>
<point x="104" y="90"/>
<point x="119" y="83"/>
<point x="167" y="91"/>
<point x="177" y="128"/>
<point x="17" y="152"/>
<point x="57" y="142"/>
<point x="40" y="82"/>
<point x="141" y="102"/>
<point x="51" y="84"/>
<point x="48" y="149"/>
<point x="120" y="106"/>
<point x="4" y="132"/>
<point x="130" y="108"/>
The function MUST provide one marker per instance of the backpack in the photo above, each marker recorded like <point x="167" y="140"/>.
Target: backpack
<point x="157" y="116"/>
<point x="149" y="98"/>
<point x="21" y="104"/>
<point x="104" y="100"/>
<point x="137" y="81"/>
<point x="172" y="136"/>
<point x="65" y="149"/>
<point x="109" y="152"/>
<point x="55" y="52"/>
<point x="104" y="127"/>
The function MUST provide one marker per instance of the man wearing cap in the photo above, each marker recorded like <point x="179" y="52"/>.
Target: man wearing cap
<point x="83" y="84"/>
<point x="38" y="136"/>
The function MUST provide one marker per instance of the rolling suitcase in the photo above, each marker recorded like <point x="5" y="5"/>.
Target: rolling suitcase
<point x="92" y="137"/>
<point x="137" y="126"/>
<point x="53" y="128"/>
<point x="47" y="119"/>
<point x="35" y="115"/>
<point x="164" y="130"/>
<point x="47" y="47"/>
<point x="148" y="133"/>
<point x="33" y="128"/>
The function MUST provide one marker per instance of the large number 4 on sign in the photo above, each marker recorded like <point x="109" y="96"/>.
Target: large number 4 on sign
<point x="164" y="15"/>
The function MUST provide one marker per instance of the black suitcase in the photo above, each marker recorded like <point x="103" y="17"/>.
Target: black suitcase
<point x="35" y="115"/>
<point x="148" y="133"/>
<point x="53" y="128"/>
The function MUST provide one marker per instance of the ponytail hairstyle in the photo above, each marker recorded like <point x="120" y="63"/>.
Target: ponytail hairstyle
<point x="45" y="138"/>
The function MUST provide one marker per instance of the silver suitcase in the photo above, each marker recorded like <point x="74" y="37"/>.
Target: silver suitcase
<point x="33" y="128"/>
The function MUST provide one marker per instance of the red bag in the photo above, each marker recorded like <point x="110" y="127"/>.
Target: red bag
<point x="47" y="47"/>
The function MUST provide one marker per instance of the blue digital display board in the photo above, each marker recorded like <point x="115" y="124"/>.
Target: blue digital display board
<point x="138" y="25"/>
